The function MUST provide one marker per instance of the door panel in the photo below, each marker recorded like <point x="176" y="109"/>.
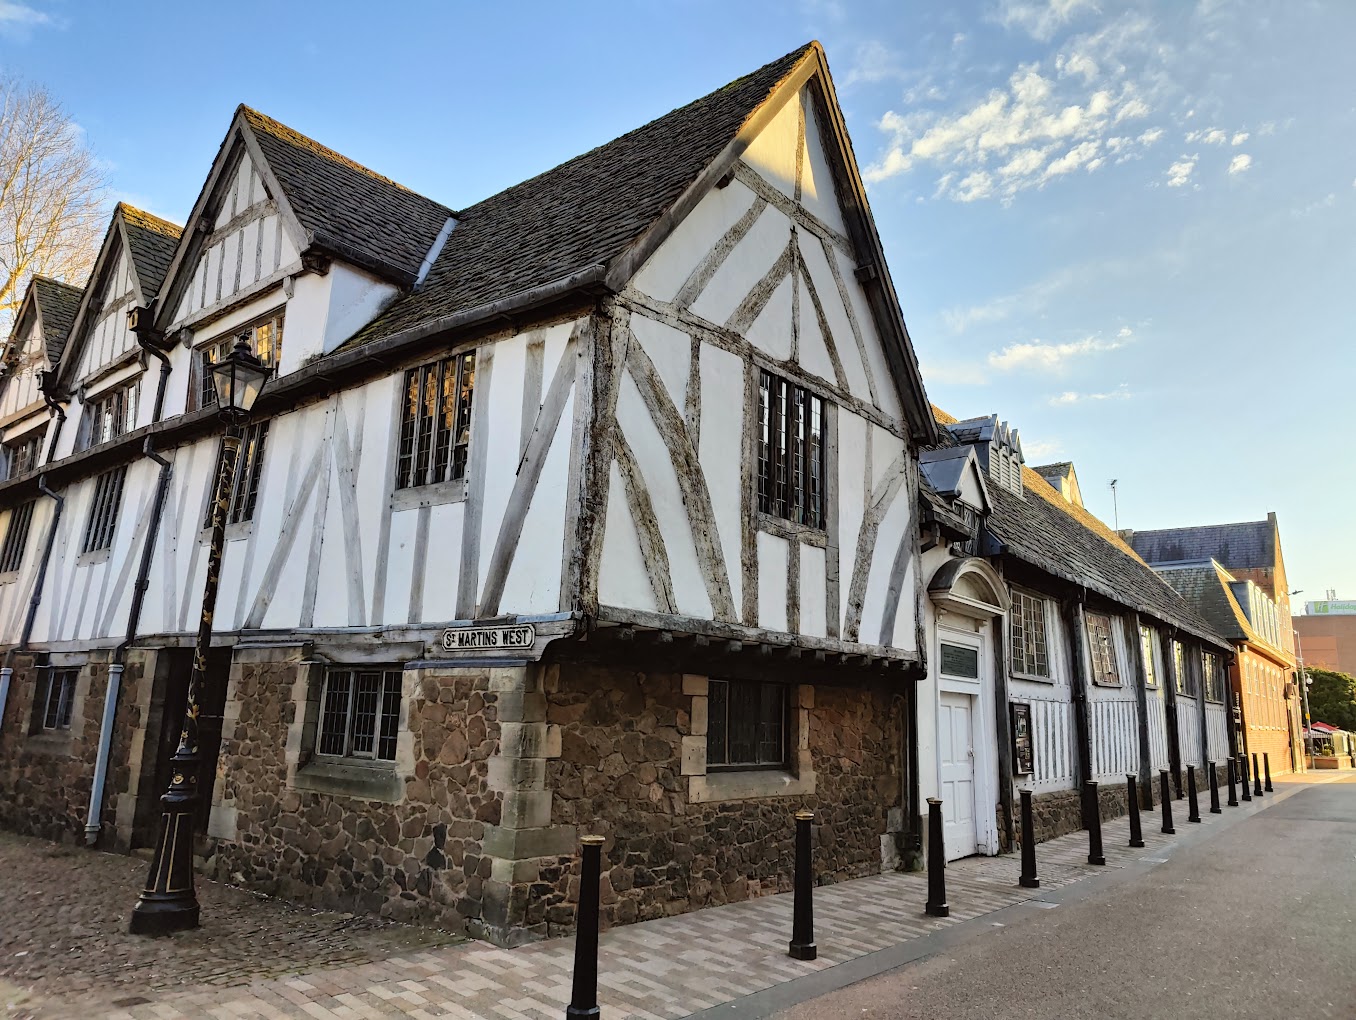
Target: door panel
<point x="955" y="734"/>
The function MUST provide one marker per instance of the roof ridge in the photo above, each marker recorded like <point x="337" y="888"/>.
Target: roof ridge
<point x="52" y="279"/>
<point x="1197" y="527"/>
<point x="292" y="136"/>
<point x="149" y="220"/>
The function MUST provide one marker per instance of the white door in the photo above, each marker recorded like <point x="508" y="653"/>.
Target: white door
<point x="955" y="735"/>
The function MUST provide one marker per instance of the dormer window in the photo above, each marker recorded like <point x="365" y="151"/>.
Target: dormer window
<point x="22" y="455"/>
<point x="111" y="414"/>
<point x="998" y="447"/>
<point x="264" y="336"/>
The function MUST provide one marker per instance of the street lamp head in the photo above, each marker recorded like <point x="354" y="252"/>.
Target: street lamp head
<point x="238" y="378"/>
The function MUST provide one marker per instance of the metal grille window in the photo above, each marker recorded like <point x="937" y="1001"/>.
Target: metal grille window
<point x="265" y="340"/>
<point x="249" y="466"/>
<point x="1102" y="647"/>
<point x="435" y="423"/>
<point x="57" y="699"/>
<point x="1146" y="639"/>
<point x="111" y="414"/>
<point x="22" y="455"/>
<point x="16" y="537"/>
<point x="360" y="713"/>
<point x="746" y="725"/>
<point x="1213" y="677"/>
<point x="1029" y="653"/>
<point x="791" y="467"/>
<point x="103" y="512"/>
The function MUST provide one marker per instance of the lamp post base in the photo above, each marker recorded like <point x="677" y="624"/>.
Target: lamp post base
<point x="169" y="902"/>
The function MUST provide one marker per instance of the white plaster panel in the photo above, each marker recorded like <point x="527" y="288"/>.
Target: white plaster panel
<point x="814" y="355"/>
<point x="771" y="331"/>
<point x="230" y="251"/>
<point x="722" y="421"/>
<point x="400" y="566"/>
<point x="851" y="504"/>
<point x="444" y="561"/>
<point x="505" y="403"/>
<point x="745" y="266"/>
<point x="772" y="570"/>
<point x="533" y="583"/>
<point x="893" y="526"/>
<point x="288" y="252"/>
<point x="269" y="259"/>
<point x="875" y="353"/>
<point x="669" y="267"/>
<point x="885" y="450"/>
<point x="817" y="191"/>
<point x="249" y="266"/>
<point x="656" y="466"/>
<point x="813" y="606"/>
<point x="816" y="266"/>
<point x="773" y="150"/>
<point x="624" y="576"/>
<point x="355" y="299"/>
<point x="669" y="349"/>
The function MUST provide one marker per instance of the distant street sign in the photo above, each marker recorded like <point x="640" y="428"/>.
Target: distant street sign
<point x="1332" y="607"/>
<point x="480" y="639"/>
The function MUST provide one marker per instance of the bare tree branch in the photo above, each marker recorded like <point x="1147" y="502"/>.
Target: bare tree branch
<point x="52" y="193"/>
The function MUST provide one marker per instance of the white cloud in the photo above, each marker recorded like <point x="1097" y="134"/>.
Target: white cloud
<point x="1240" y="163"/>
<point x="1038" y="450"/>
<point x="17" y="19"/>
<point x="1151" y="136"/>
<point x="1326" y="202"/>
<point x="1040" y="356"/>
<point x="1125" y="331"/>
<point x="1180" y="172"/>
<point x="1071" y="397"/>
<point x="1041" y="19"/>
<point x="1239" y="138"/>
<point x="1080" y="64"/>
<point x="954" y="373"/>
<point x="874" y="62"/>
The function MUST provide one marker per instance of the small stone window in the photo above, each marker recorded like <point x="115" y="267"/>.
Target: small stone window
<point x="1029" y="653"/>
<point x="746" y="725"/>
<point x="55" y="700"/>
<point x="1102" y="646"/>
<point x="360" y="714"/>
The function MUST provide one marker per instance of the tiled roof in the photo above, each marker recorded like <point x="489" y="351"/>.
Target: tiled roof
<point x="1237" y="546"/>
<point x="151" y="242"/>
<point x="584" y="212"/>
<point x="58" y="302"/>
<point x="341" y="203"/>
<point x="1061" y="538"/>
<point x="1206" y="586"/>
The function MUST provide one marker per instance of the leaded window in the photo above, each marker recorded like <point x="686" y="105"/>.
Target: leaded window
<point x="265" y="340"/>
<point x="1102" y="651"/>
<point x="111" y="414"/>
<point x="55" y="699"/>
<point x="435" y="422"/>
<point x="16" y="537"/>
<point x="22" y="455"/>
<point x="1213" y="677"/>
<point x="103" y="511"/>
<point x="791" y="468"/>
<point x="1182" y="678"/>
<point x="746" y="725"/>
<point x="249" y="466"/>
<point x="1029" y="651"/>
<point x="360" y="713"/>
<point x="1146" y="639"/>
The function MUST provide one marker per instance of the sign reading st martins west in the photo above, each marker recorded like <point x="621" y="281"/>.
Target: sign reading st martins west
<point x="468" y="639"/>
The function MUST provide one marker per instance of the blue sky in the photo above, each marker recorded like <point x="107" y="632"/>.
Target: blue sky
<point x="1125" y="227"/>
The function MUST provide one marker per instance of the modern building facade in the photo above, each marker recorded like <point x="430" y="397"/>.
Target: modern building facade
<point x="1327" y="635"/>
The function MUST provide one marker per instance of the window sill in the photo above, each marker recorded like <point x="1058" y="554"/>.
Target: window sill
<point x="1108" y="684"/>
<point x="234" y="532"/>
<point x="54" y="743"/>
<point x="344" y="778"/>
<point x="429" y="495"/>
<point x="86" y="559"/>
<point x="715" y="787"/>
<point x="1033" y="678"/>
<point x="790" y="530"/>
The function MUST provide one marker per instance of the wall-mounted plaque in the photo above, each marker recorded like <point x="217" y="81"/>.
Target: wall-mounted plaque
<point x="1023" y="752"/>
<point x="489" y="639"/>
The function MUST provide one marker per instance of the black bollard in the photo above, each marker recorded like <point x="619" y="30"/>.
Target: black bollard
<point x="1093" y="810"/>
<point x="1215" y="809"/>
<point x="1167" y="802"/>
<point x="1245" y="783"/>
<point x="1132" y="797"/>
<point x="584" y="993"/>
<point x="803" y="911"/>
<point x="1028" y="879"/>
<point x="1233" y="779"/>
<point x="1193" y="806"/>
<point x="936" y="862"/>
<point x="1266" y="764"/>
<point x="1256" y="777"/>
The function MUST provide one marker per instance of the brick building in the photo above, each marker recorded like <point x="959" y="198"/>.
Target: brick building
<point x="1327" y="635"/>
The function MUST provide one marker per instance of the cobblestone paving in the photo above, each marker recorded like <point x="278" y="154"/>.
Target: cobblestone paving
<point x="657" y="970"/>
<point x="63" y="932"/>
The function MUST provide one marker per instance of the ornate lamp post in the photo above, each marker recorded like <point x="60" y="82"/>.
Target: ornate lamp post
<point x="169" y="903"/>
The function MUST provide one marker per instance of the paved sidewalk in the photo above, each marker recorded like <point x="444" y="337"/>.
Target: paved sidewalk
<point x="656" y="970"/>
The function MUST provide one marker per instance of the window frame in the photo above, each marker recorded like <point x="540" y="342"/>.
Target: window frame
<point x="1100" y="631"/>
<point x="1212" y="678"/>
<point x="1183" y="682"/>
<point x="790" y="455"/>
<point x="388" y="677"/>
<point x="783" y="764"/>
<point x="1146" y="641"/>
<point x="16" y="537"/>
<point x="123" y="412"/>
<point x="245" y="483"/>
<point x="445" y="448"/>
<point x="62" y="682"/>
<point x="1016" y="595"/>
<point x="203" y="390"/>
<point x="31" y="445"/>
<point x="104" y="508"/>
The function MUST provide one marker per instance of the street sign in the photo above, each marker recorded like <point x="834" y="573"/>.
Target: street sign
<point x="480" y="639"/>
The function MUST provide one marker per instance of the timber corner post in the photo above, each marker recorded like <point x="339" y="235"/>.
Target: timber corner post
<point x="802" y="945"/>
<point x="584" y="987"/>
<point x="936" y="906"/>
<point x="1029" y="880"/>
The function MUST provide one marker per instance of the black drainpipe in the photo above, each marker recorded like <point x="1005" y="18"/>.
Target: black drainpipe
<point x="93" y="821"/>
